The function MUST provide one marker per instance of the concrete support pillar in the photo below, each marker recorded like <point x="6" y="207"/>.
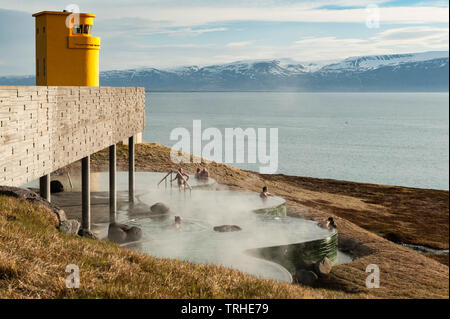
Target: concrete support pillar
<point x="85" y="193"/>
<point x="112" y="184"/>
<point x="44" y="187"/>
<point x="137" y="139"/>
<point x="131" y="169"/>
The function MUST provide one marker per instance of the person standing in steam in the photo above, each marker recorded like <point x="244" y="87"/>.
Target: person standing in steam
<point x="181" y="178"/>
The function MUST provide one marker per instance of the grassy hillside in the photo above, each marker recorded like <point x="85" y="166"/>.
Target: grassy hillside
<point x="34" y="256"/>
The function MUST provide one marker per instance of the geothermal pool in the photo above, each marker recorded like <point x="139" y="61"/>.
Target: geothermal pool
<point x="197" y="242"/>
<point x="266" y="230"/>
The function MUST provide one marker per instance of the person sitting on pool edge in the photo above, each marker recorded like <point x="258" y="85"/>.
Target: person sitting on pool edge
<point x="198" y="173"/>
<point x="177" y="222"/>
<point x="180" y="177"/>
<point x="327" y="223"/>
<point x="204" y="174"/>
<point x="265" y="193"/>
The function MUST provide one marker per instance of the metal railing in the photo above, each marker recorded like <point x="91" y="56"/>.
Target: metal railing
<point x="170" y="174"/>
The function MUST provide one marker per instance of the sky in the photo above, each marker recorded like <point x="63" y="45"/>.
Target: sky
<point x="172" y="33"/>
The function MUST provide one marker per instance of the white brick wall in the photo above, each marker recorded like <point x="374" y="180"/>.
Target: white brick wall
<point x="46" y="128"/>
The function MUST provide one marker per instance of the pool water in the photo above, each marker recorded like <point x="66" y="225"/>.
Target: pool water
<point x="197" y="242"/>
<point x="267" y="230"/>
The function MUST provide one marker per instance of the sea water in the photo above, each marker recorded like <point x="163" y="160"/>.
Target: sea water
<point x="383" y="138"/>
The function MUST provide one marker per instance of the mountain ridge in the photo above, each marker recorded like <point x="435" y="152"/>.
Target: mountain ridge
<point x="425" y="71"/>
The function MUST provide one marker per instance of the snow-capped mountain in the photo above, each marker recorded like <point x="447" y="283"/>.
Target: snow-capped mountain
<point x="376" y="61"/>
<point x="427" y="71"/>
<point x="275" y="67"/>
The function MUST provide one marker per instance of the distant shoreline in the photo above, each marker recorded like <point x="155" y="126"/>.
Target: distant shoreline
<point x="30" y="81"/>
<point x="269" y="91"/>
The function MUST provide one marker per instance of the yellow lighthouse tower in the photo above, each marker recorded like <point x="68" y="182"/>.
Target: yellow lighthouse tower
<point x="66" y="53"/>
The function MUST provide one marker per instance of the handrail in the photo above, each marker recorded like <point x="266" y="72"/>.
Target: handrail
<point x="164" y="177"/>
<point x="174" y="172"/>
<point x="70" y="181"/>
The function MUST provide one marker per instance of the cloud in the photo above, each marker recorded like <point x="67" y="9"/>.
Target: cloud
<point x="437" y="3"/>
<point x="396" y="40"/>
<point x="194" y="16"/>
<point x="144" y="46"/>
<point x="192" y="32"/>
<point x="423" y="36"/>
<point x="415" y="33"/>
<point x="142" y="27"/>
<point x="177" y="14"/>
<point x="238" y="44"/>
<point x="329" y="48"/>
<point x="332" y="48"/>
<point x="122" y="6"/>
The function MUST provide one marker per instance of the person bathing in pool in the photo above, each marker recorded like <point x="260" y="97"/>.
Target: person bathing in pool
<point x="204" y="174"/>
<point x="265" y="193"/>
<point x="181" y="178"/>
<point x="327" y="223"/>
<point x="177" y="222"/>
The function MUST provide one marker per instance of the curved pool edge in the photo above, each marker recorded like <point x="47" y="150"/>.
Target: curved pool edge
<point x="292" y="256"/>
<point x="279" y="210"/>
<point x="287" y="254"/>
